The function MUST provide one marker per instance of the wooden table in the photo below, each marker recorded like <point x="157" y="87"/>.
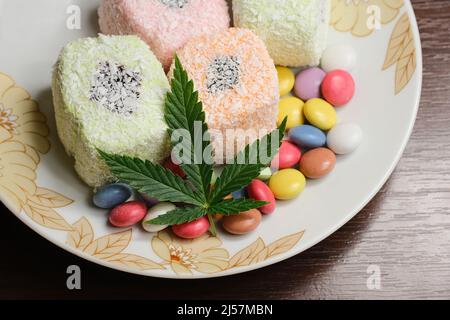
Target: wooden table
<point x="405" y="230"/>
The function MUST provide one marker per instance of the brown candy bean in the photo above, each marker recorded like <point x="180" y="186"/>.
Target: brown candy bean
<point x="317" y="163"/>
<point x="242" y="223"/>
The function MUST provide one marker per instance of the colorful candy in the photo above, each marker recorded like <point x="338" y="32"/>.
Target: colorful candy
<point x="292" y="108"/>
<point x="265" y="174"/>
<point x="193" y="229"/>
<point x="258" y="190"/>
<point x="150" y="201"/>
<point x="287" y="184"/>
<point x="307" y="83"/>
<point x="242" y="223"/>
<point x="320" y="113"/>
<point x="317" y="163"/>
<point x="175" y="168"/>
<point x="239" y="194"/>
<point x="288" y="156"/>
<point x="307" y="136"/>
<point x="153" y="213"/>
<point x="286" y="79"/>
<point x="337" y="57"/>
<point x="228" y="197"/>
<point x="111" y="195"/>
<point x="344" y="138"/>
<point x="214" y="178"/>
<point x="338" y="87"/>
<point x="128" y="214"/>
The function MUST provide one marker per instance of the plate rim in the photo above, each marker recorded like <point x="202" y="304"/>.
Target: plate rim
<point x="292" y="252"/>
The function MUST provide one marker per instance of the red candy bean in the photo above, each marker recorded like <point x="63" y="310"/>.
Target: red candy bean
<point x="193" y="229"/>
<point x="176" y="169"/>
<point x="338" y="87"/>
<point x="128" y="214"/>
<point x="288" y="156"/>
<point x="258" y="190"/>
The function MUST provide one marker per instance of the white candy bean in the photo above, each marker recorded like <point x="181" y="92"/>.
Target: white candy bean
<point x="154" y="212"/>
<point x="342" y="57"/>
<point x="344" y="138"/>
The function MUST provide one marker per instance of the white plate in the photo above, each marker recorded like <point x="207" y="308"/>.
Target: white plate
<point x="46" y="195"/>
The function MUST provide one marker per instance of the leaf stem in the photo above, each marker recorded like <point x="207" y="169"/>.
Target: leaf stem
<point x="212" y="225"/>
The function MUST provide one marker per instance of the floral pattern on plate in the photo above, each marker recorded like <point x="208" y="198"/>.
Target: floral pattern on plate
<point x="23" y="138"/>
<point x="359" y="18"/>
<point x="355" y="15"/>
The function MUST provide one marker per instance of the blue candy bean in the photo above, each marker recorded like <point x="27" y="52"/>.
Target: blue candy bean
<point x="239" y="194"/>
<point x="111" y="195"/>
<point x="150" y="201"/>
<point x="307" y="136"/>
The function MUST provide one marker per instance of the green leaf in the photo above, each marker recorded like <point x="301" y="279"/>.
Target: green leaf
<point x="151" y="179"/>
<point x="179" y="216"/>
<point x="232" y="207"/>
<point x="235" y="176"/>
<point x="183" y="110"/>
<point x="265" y="147"/>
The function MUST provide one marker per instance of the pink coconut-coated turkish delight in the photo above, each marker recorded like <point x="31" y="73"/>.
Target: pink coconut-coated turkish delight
<point x="166" y="25"/>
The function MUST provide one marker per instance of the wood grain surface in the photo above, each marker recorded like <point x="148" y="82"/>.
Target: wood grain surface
<point x="405" y="230"/>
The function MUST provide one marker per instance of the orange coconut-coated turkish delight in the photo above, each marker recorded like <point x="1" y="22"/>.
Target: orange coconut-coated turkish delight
<point x="237" y="84"/>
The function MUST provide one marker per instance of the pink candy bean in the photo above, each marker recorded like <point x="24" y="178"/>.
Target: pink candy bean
<point x="288" y="156"/>
<point x="128" y="214"/>
<point x="338" y="87"/>
<point x="258" y="190"/>
<point x="193" y="229"/>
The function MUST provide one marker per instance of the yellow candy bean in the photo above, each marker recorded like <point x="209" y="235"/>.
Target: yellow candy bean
<point x="286" y="80"/>
<point x="320" y="113"/>
<point x="287" y="184"/>
<point x="292" y="108"/>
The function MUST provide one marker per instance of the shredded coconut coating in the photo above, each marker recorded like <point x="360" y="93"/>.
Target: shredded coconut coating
<point x="163" y="27"/>
<point x="250" y="104"/>
<point x="84" y="124"/>
<point x="294" y="31"/>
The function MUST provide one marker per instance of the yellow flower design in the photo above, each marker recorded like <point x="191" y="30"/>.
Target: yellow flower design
<point x="20" y="119"/>
<point x="23" y="135"/>
<point x="8" y="122"/>
<point x="17" y="173"/>
<point x="357" y="16"/>
<point x="184" y="256"/>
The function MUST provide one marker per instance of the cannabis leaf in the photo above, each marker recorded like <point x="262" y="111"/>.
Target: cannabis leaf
<point x="183" y="110"/>
<point x="150" y="178"/>
<point x="187" y="127"/>
<point x="179" y="216"/>
<point x="231" y="207"/>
